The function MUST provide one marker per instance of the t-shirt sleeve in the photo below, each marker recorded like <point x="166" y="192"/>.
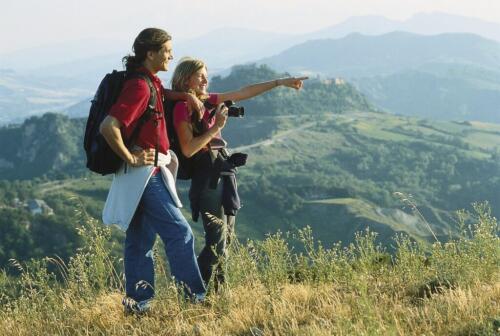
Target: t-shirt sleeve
<point x="132" y="101"/>
<point x="212" y="98"/>
<point x="181" y="113"/>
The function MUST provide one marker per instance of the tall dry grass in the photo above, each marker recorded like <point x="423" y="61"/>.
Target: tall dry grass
<point x="448" y="288"/>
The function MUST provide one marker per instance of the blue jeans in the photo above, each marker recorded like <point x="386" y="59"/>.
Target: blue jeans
<point x="157" y="214"/>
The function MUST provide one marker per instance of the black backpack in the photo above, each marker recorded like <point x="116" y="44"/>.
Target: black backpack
<point x="100" y="157"/>
<point x="186" y="165"/>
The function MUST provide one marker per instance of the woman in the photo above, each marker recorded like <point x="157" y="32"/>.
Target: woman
<point x="204" y="142"/>
<point x="142" y="199"/>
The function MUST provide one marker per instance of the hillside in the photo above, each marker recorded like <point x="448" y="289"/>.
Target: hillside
<point x="335" y="173"/>
<point x="317" y="96"/>
<point x="339" y="175"/>
<point x="49" y="145"/>
<point x="451" y="92"/>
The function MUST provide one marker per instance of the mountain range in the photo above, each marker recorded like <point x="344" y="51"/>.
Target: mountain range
<point x="362" y="55"/>
<point x="448" y="76"/>
<point x="237" y="45"/>
<point x="429" y="70"/>
<point x="432" y="23"/>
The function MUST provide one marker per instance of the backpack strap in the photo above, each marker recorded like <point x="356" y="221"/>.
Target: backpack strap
<point x="150" y="108"/>
<point x="147" y="115"/>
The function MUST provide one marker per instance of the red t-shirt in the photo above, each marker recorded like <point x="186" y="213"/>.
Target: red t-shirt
<point x="181" y="112"/>
<point x="130" y="106"/>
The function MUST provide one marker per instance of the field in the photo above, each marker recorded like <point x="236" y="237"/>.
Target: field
<point x="272" y="289"/>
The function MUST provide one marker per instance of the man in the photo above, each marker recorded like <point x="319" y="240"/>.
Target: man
<point x="142" y="198"/>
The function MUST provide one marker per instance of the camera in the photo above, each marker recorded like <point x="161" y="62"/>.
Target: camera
<point x="232" y="109"/>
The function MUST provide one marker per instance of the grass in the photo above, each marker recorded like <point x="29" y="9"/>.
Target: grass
<point x="481" y="136"/>
<point x="446" y="289"/>
<point x="397" y="220"/>
<point x="483" y="140"/>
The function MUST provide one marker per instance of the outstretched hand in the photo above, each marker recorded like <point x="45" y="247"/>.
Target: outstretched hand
<point x="292" y="82"/>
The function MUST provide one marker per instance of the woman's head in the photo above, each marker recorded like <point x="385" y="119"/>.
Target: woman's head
<point x="190" y="75"/>
<point x="149" y="40"/>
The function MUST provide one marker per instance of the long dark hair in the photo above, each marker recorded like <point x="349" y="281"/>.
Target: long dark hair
<point x="150" y="39"/>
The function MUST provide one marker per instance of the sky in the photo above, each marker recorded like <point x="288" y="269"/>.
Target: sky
<point x="31" y="23"/>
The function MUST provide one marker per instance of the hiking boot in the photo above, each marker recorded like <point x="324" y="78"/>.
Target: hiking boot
<point x="197" y="298"/>
<point x="132" y="307"/>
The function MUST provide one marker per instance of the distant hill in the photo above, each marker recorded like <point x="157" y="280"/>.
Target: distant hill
<point x="317" y="95"/>
<point x="438" y="91"/>
<point x="422" y="23"/>
<point x="79" y="110"/>
<point x="361" y="55"/>
<point x="449" y="76"/>
<point x="22" y="96"/>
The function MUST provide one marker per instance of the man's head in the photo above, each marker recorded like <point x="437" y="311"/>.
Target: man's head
<point x="152" y="48"/>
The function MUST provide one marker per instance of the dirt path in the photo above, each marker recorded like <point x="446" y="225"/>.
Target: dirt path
<point x="53" y="185"/>
<point x="271" y="140"/>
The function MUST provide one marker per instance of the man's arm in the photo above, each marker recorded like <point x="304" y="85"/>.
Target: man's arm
<point x="194" y="104"/>
<point x="110" y="130"/>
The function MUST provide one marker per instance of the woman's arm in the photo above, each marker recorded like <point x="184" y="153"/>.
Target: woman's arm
<point x="190" y="144"/>
<point x="259" y="88"/>
<point x="110" y="130"/>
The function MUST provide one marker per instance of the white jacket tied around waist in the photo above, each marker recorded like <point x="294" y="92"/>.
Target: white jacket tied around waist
<point x="129" y="184"/>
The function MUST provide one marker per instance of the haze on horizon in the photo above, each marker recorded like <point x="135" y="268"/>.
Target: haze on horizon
<point x="32" y="23"/>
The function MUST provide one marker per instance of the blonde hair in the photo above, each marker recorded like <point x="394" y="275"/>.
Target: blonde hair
<point x="186" y="67"/>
